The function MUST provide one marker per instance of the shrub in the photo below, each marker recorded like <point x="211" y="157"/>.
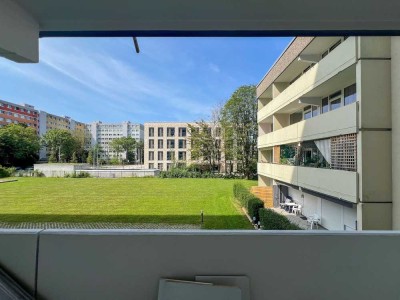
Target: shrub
<point x="241" y="194"/>
<point x="271" y="220"/>
<point x="6" y="172"/>
<point x="253" y="206"/>
<point x="37" y="173"/>
<point x="78" y="175"/>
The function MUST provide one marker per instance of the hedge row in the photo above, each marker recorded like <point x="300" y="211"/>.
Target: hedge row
<point x="269" y="219"/>
<point x="6" y="172"/>
<point x="247" y="200"/>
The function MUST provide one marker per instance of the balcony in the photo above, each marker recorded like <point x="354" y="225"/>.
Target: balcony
<point x="335" y="183"/>
<point x="336" y="122"/>
<point x="336" y="62"/>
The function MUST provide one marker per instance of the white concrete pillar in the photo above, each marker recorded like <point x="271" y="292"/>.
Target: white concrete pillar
<point x="19" y="33"/>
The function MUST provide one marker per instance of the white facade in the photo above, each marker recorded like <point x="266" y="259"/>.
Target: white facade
<point x="103" y="133"/>
<point x="325" y="130"/>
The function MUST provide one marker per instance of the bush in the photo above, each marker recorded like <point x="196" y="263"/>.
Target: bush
<point x="77" y="175"/>
<point x="253" y="206"/>
<point x="271" y="220"/>
<point x="37" y="173"/>
<point x="241" y="194"/>
<point x="6" y="172"/>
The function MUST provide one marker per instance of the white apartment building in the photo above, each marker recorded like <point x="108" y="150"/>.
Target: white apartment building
<point x="325" y="130"/>
<point x="103" y="133"/>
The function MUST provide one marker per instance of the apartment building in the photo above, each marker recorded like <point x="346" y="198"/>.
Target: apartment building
<point x="168" y="143"/>
<point x="49" y="121"/>
<point x="103" y="133"/>
<point x="325" y="124"/>
<point x="11" y="113"/>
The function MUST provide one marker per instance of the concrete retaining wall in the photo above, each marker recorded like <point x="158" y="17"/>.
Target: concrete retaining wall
<point x="127" y="264"/>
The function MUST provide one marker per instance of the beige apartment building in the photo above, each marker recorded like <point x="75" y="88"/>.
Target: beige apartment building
<point x="168" y="143"/>
<point x="325" y="130"/>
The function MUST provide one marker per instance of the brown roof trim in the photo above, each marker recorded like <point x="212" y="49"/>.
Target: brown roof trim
<point x="292" y="51"/>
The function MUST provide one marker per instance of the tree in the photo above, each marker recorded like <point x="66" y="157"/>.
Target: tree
<point x="61" y="144"/>
<point x="239" y="123"/>
<point x="129" y="145"/>
<point x="204" y="145"/>
<point x="89" y="159"/>
<point x="116" y="146"/>
<point x="140" y="152"/>
<point x="74" y="159"/>
<point x="19" y="145"/>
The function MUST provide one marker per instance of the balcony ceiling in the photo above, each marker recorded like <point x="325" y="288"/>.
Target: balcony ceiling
<point x="157" y="17"/>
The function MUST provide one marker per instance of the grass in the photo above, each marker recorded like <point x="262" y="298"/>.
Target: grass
<point x="128" y="200"/>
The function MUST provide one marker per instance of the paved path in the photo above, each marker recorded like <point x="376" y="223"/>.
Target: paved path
<point x="295" y="219"/>
<point x="99" y="225"/>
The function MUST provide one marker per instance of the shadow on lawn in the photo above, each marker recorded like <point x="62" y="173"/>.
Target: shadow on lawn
<point x="210" y="222"/>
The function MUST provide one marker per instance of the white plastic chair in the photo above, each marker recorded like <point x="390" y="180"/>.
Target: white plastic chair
<point x="313" y="220"/>
<point x="296" y="209"/>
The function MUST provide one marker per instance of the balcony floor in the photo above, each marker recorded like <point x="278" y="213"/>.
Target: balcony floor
<point x="296" y="219"/>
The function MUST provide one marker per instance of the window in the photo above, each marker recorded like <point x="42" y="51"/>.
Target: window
<point x="151" y="131"/>
<point x="171" y="144"/>
<point x="182" y="131"/>
<point x="169" y="166"/>
<point x="160" y="131"/>
<point x="307" y="114"/>
<point x="350" y="94"/>
<point x="160" y="167"/>
<point x="151" y="155"/>
<point x="181" y="155"/>
<point x="335" y="100"/>
<point x="151" y="144"/>
<point x="170" y="155"/>
<point x="182" y="144"/>
<point x="160" y="144"/>
<point x="325" y="105"/>
<point x="170" y="131"/>
<point x="315" y="111"/>
<point x="160" y="155"/>
<point x="151" y="166"/>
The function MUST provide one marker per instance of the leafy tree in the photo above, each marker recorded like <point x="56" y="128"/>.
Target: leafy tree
<point x="89" y="159"/>
<point x="19" y="145"/>
<point x="239" y="123"/>
<point x="74" y="159"/>
<point x="61" y="144"/>
<point x="205" y="146"/>
<point x="140" y="151"/>
<point x="116" y="146"/>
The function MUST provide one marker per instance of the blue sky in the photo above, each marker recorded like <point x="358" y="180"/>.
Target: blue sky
<point x="172" y="79"/>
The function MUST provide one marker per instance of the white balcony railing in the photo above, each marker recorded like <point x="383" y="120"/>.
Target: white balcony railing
<point x="340" y="59"/>
<point x="337" y="122"/>
<point x="335" y="183"/>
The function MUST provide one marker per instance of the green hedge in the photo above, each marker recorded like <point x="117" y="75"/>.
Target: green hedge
<point x="271" y="220"/>
<point x="247" y="200"/>
<point x="253" y="206"/>
<point x="6" y="172"/>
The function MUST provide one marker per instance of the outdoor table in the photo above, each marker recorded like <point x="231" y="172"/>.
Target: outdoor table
<point x="291" y="205"/>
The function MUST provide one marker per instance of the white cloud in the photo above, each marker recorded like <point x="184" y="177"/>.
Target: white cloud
<point x="214" y="68"/>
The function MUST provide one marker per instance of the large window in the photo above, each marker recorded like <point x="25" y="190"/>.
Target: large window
<point x="151" y="144"/>
<point x="170" y="155"/>
<point x="160" y="131"/>
<point x="160" y="155"/>
<point x="170" y="131"/>
<point x="325" y="105"/>
<point x="171" y="144"/>
<point x="182" y="155"/>
<point x="160" y="144"/>
<point x="182" y="131"/>
<point x="307" y="114"/>
<point x="335" y="100"/>
<point x="151" y="155"/>
<point x="350" y="94"/>
<point x="151" y="131"/>
<point x="182" y="144"/>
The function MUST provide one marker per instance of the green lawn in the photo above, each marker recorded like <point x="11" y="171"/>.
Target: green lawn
<point x="130" y="200"/>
